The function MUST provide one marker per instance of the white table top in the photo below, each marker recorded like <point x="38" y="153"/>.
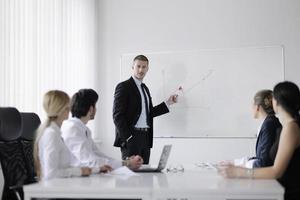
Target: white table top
<point x="149" y="185"/>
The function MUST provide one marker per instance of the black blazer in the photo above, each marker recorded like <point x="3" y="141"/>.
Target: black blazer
<point x="127" y="108"/>
<point x="265" y="141"/>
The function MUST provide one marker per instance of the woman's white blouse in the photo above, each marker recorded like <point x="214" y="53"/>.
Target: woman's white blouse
<point x="55" y="157"/>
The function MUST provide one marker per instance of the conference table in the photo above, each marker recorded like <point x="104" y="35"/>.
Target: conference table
<point x="194" y="183"/>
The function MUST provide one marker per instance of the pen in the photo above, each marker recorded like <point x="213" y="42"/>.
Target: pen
<point x="128" y="138"/>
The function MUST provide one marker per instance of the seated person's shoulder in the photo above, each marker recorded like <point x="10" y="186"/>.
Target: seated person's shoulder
<point x="50" y="135"/>
<point x="272" y="121"/>
<point x="71" y="128"/>
<point x="293" y="128"/>
<point x="50" y="131"/>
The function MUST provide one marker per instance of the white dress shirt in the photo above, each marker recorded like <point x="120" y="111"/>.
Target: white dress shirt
<point x="55" y="157"/>
<point x="142" y="121"/>
<point x="77" y="137"/>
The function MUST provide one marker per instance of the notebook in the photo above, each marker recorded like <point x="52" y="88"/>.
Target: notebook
<point x="162" y="162"/>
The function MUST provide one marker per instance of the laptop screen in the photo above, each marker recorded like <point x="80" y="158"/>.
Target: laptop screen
<point x="164" y="157"/>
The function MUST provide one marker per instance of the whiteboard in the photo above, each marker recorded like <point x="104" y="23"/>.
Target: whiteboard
<point x="218" y="88"/>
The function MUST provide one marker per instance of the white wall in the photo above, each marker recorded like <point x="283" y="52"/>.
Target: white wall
<point x="176" y="25"/>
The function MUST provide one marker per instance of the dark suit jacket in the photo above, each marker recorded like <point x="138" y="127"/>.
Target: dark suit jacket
<point x="274" y="148"/>
<point x="265" y="140"/>
<point x="127" y="109"/>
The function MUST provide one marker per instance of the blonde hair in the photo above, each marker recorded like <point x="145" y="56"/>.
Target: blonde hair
<point x="263" y="98"/>
<point x="55" y="102"/>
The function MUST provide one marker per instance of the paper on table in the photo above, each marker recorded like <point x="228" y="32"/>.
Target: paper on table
<point x="123" y="171"/>
<point x="206" y="165"/>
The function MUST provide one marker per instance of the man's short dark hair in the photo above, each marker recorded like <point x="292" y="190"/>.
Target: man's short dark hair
<point x="142" y="58"/>
<point x="82" y="101"/>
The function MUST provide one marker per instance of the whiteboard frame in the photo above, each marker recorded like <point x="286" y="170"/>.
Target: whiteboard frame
<point x="208" y="49"/>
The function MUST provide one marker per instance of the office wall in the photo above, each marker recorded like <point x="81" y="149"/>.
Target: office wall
<point x="175" y="25"/>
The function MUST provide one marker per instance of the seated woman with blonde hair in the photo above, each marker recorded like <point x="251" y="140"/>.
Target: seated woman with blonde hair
<point x="286" y="103"/>
<point x="52" y="157"/>
<point x="263" y="111"/>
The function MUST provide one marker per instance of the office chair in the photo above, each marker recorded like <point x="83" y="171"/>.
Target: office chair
<point x="30" y="123"/>
<point x="11" y="154"/>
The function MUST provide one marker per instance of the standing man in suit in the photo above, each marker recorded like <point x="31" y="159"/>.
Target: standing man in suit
<point x="133" y="112"/>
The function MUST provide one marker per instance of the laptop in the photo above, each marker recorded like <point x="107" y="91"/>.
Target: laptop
<point x="162" y="162"/>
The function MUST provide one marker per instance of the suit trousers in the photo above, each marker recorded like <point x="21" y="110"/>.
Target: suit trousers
<point x="137" y="145"/>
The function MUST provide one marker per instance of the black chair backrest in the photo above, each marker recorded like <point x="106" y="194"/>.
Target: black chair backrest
<point x="11" y="154"/>
<point x="10" y="124"/>
<point x="31" y="122"/>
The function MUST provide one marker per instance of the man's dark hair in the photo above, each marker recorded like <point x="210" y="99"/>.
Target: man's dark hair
<point x="82" y="101"/>
<point x="142" y="58"/>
